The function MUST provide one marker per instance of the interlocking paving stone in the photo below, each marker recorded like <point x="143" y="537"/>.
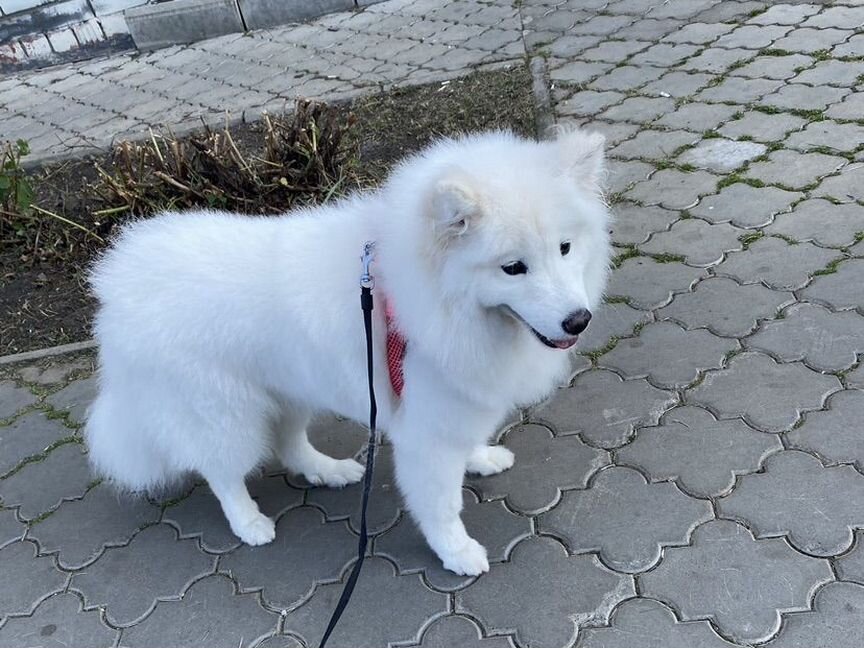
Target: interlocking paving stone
<point x="10" y="528"/>
<point x="846" y="186"/>
<point x="725" y="307"/>
<point x="654" y="625"/>
<point x="835" y="73"/>
<point x="785" y="14"/>
<point x="654" y="145"/>
<point x="610" y="320"/>
<point x="774" y="67"/>
<point x="210" y="614"/>
<point x="697" y="116"/>
<point x="605" y="409"/>
<point x="776" y="263"/>
<point x="762" y="127"/>
<point x="623" y="175"/>
<point x="58" y="622"/>
<point x="752" y="36"/>
<point x="827" y="133"/>
<point x="667" y="354"/>
<point x="721" y="155"/>
<point x="572" y="45"/>
<point x="678" y="84"/>
<point x="796" y="497"/>
<point x="566" y="463"/>
<point x="739" y="90"/>
<point x="650" y="284"/>
<point x="673" y="189"/>
<point x="803" y="97"/>
<point x="808" y="40"/>
<point x="14" y="398"/>
<point x="824" y="340"/>
<point x="614" y="51"/>
<point x="306" y="546"/>
<point x="517" y="596"/>
<point x="835" y="621"/>
<point x="454" y="630"/>
<point x="699" y="243"/>
<point x="770" y="396"/>
<point x="633" y="224"/>
<point x="385" y="608"/>
<point x="627" y="77"/>
<point x="834" y="434"/>
<point x="842" y="17"/>
<point x="717" y="59"/>
<point x="384" y="500"/>
<point x="128" y="581"/>
<point x="579" y="71"/>
<point x="647" y="518"/>
<point x="56" y="372"/>
<point x="699" y="33"/>
<point x="850" y="566"/>
<point x="841" y="289"/>
<point x="855" y="378"/>
<point x="200" y="515"/>
<point x="80" y="530"/>
<point x="589" y="102"/>
<point x="279" y="641"/>
<point x="490" y="523"/>
<point x="851" y="107"/>
<point x="738" y="582"/>
<point x="639" y="109"/>
<point x="703" y="455"/>
<point x="762" y="204"/>
<point x="615" y="132"/>
<point x="64" y="475"/>
<point x="664" y="54"/>
<point x="28" y="436"/>
<point x="26" y="578"/>
<point x="793" y="169"/>
<point x="75" y="398"/>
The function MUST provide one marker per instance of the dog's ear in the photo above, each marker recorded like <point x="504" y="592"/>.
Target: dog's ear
<point x="582" y="157"/>
<point x="454" y="205"/>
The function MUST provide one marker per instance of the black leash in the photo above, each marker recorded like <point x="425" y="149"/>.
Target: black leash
<point x="366" y="285"/>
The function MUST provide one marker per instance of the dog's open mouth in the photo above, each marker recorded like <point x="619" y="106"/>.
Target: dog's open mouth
<point x="564" y="343"/>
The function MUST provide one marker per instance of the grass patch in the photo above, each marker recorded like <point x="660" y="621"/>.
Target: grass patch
<point x="710" y="134"/>
<point x="772" y="51"/>
<point x="616" y="299"/>
<point x="594" y="355"/>
<point x="821" y="55"/>
<point x="667" y="258"/>
<point x="783" y="237"/>
<point x="733" y="178"/>
<point x="831" y="268"/>
<point x="628" y="253"/>
<point x="750" y="238"/>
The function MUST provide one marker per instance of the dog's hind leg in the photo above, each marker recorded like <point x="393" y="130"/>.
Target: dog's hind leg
<point x="299" y="456"/>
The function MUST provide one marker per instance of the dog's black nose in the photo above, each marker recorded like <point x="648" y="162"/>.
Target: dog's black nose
<point x="576" y="322"/>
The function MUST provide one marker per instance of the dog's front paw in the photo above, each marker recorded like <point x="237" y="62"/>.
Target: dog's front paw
<point x="336" y="473"/>
<point x="469" y="560"/>
<point x="490" y="460"/>
<point x="259" y="530"/>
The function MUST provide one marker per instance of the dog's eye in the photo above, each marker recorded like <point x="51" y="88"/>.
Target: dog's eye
<point x="515" y="268"/>
<point x="565" y="248"/>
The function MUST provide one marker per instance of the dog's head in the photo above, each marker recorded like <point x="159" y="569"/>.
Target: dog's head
<point x="521" y="228"/>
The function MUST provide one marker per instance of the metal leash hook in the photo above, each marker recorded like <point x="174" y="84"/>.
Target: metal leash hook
<point x="367" y="283"/>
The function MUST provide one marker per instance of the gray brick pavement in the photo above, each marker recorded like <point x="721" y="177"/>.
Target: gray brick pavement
<point x="698" y="484"/>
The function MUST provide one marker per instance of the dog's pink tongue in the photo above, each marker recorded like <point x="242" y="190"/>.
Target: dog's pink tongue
<point x="565" y="344"/>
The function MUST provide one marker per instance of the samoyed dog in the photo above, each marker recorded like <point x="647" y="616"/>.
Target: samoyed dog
<point x="222" y="335"/>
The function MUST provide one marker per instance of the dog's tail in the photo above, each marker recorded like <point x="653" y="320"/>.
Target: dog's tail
<point x="118" y="448"/>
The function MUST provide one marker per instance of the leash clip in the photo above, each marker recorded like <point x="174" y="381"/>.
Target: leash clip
<point x="366" y="279"/>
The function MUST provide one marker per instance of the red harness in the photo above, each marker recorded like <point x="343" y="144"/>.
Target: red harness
<point x="397" y="345"/>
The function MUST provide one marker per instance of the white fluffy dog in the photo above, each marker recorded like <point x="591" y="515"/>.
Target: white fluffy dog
<point x="222" y="335"/>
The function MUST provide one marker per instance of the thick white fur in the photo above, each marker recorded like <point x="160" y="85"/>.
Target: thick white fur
<point x="221" y="335"/>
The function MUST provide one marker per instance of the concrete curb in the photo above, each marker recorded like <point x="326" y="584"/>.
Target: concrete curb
<point x="544" y="117"/>
<point x="39" y="354"/>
